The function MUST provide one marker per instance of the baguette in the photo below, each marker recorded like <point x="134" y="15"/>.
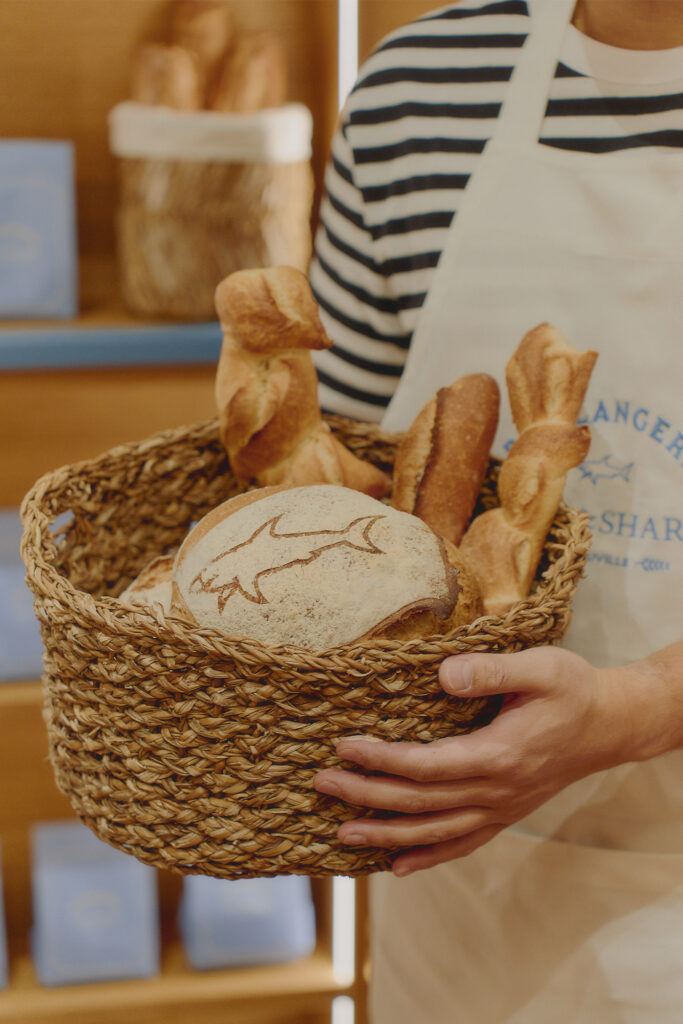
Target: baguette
<point x="443" y="457"/>
<point x="166" y="76"/>
<point x="252" y="76"/>
<point x="547" y="381"/>
<point x="266" y="386"/>
<point x="470" y="604"/>
<point x="205" y="29"/>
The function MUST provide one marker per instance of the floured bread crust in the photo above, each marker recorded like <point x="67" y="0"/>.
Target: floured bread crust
<point x="313" y="566"/>
<point x="153" y="585"/>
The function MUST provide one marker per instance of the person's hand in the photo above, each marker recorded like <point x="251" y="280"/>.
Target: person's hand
<point x="558" y="723"/>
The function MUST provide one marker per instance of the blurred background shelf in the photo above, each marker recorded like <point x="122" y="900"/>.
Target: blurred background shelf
<point x="79" y="346"/>
<point x="298" y="993"/>
<point x="49" y="418"/>
<point x="70" y="390"/>
<point x="301" y="991"/>
<point x="105" y="334"/>
<point x="65" y="65"/>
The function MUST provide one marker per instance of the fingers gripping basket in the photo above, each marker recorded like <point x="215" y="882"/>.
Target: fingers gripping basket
<point x="195" y="752"/>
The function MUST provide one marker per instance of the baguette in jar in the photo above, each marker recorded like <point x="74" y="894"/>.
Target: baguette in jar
<point x="206" y="29"/>
<point x="252" y="76"/>
<point x="166" y="76"/>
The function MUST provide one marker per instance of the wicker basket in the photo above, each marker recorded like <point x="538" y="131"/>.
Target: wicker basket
<point x="202" y="194"/>
<point x="195" y="752"/>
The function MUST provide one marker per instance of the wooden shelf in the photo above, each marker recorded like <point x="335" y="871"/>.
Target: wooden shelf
<point x="101" y="304"/>
<point x="73" y="60"/>
<point x="105" y="334"/>
<point x="178" y="995"/>
<point x="299" y="992"/>
<point x="20" y="694"/>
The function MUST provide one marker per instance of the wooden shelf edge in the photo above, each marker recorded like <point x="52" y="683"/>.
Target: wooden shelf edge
<point x="306" y="980"/>
<point x="21" y="694"/>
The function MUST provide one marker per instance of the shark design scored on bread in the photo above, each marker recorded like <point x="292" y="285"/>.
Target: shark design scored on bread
<point x="236" y="573"/>
<point x="313" y="566"/>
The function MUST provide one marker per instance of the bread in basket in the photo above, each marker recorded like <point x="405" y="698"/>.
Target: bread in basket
<point x="196" y="752"/>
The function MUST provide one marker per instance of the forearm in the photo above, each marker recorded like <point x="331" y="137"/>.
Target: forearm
<point x="649" y="697"/>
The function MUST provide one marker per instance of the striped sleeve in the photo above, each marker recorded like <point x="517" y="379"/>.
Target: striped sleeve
<point x="413" y="132"/>
<point x="413" y="129"/>
<point x="359" y="373"/>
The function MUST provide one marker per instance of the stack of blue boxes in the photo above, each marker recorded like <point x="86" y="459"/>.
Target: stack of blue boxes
<point x="20" y="643"/>
<point x="38" y="250"/>
<point x="228" y="923"/>
<point x="95" y="913"/>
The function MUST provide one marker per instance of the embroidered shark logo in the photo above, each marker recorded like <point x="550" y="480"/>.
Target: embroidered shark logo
<point x="605" y="469"/>
<point x="232" y="572"/>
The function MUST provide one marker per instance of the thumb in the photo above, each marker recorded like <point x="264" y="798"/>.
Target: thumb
<point x="482" y="675"/>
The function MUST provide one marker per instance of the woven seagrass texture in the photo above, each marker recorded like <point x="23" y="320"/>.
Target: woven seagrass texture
<point x="183" y="226"/>
<point x="196" y="752"/>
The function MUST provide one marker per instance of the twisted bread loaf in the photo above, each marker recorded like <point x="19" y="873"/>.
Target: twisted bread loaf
<point x="266" y="386"/>
<point x="547" y="380"/>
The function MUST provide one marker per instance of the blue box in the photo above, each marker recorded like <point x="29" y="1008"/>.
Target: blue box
<point x="4" y="960"/>
<point x="246" y="921"/>
<point x="38" y="246"/>
<point x="21" y="648"/>
<point x="95" y="909"/>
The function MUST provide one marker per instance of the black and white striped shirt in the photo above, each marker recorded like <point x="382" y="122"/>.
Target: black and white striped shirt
<point x="412" y="131"/>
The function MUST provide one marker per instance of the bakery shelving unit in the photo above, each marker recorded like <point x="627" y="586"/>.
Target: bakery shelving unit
<point x="70" y="390"/>
<point x="300" y="992"/>
<point x="63" y="67"/>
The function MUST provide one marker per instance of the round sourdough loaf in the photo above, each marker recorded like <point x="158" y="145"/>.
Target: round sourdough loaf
<point x="313" y="566"/>
<point x="153" y="585"/>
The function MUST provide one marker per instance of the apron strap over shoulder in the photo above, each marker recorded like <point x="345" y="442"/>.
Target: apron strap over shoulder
<point x="523" y="111"/>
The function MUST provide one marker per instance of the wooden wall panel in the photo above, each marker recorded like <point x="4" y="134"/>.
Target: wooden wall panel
<point x="376" y="18"/>
<point x="65" y="63"/>
<point x="50" y="418"/>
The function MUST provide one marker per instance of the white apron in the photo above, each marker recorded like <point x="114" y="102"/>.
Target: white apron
<point x="576" y="914"/>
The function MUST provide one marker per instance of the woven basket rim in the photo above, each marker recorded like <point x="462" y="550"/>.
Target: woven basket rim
<point x="106" y="611"/>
